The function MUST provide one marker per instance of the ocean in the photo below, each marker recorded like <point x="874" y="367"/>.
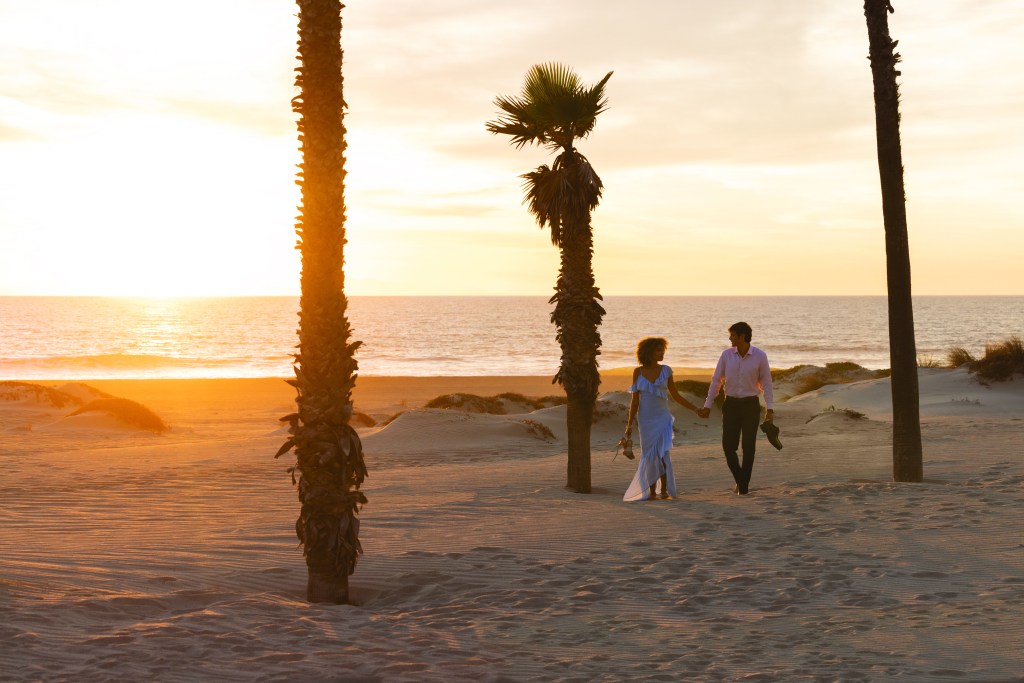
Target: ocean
<point x="97" y="337"/>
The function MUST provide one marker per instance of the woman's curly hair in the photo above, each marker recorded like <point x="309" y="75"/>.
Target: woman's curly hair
<point x="647" y="347"/>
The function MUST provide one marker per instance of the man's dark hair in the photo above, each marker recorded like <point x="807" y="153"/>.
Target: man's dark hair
<point x="744" y="329"/>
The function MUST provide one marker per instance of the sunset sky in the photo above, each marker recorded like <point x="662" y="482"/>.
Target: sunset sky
<point x="149" y="148"/>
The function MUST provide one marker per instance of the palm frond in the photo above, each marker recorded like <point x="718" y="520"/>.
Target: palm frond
<point x="554" y="108"/>
<point x="594" y="102"/>
<point x="562" y="195"/>
<point x="542" y="191"/>
<point x="519" y="120"/>
<point x="549" y="82"/>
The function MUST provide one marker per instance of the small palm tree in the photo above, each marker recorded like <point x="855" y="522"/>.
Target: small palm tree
<point x="906" y="410"/>
<point x="329" y="456"/>
<point x="554" y="110"/>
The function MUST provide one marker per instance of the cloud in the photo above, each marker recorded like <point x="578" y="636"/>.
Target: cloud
<point x="724" y="82"/>
<point x="226" y="62"/>
<point x="727" y="119"/>
<point x="447" y="210"/>
<point x="14" y="134"/>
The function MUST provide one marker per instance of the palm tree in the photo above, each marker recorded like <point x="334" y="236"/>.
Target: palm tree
<point x="554" y="110"/>
<point x="329" y="456"/>
<point x="906" y="415"/>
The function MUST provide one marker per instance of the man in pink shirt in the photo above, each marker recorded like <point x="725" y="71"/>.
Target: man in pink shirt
<point x="743" y="372"/>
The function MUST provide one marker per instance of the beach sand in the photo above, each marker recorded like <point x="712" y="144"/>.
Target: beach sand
<point x="132" y="556"/>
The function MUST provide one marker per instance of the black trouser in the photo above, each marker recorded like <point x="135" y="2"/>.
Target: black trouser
<point x="740" y="417"/>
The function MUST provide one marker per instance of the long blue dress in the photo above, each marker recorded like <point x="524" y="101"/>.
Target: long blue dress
<point x="655" y="422"/>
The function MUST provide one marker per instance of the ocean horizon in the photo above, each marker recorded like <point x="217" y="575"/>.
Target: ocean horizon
<point x="78" y="338"/>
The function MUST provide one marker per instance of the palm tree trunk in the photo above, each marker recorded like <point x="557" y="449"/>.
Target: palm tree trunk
<point x="906" y="423"/>
<point x="577" y="315"/>
<point x="329" y="460"/>
<point x="579" y="419"/>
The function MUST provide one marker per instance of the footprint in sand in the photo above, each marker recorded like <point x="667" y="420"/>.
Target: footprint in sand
<point x="929" y="575"/>
<point x="171" y="579"/>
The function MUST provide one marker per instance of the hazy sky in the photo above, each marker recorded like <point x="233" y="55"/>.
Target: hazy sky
<point x="149" y="148"/>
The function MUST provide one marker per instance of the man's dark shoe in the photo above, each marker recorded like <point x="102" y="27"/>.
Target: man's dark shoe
<point x="772" y="432"/>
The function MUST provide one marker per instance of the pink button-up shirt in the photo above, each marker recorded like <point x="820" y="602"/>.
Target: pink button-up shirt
<point x="742" y="376"/>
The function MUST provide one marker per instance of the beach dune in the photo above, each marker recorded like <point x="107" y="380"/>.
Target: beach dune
<point x="131" y="555"/>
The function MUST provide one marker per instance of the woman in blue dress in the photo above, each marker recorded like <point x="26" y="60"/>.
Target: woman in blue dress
<point x="652" y="386"/>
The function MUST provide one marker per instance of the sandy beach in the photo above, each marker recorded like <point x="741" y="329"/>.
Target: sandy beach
<point x="127" y="555"/>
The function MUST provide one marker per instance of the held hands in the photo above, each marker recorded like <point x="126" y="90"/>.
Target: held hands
<point x="704" y="413"/>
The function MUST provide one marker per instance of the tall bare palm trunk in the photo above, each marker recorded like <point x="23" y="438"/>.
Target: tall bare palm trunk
<point x="906" y="423"/>
<point x="329" y="459"/>
<point x="577" y="316"/>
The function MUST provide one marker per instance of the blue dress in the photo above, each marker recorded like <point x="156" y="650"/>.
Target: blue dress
<point x="655" y="422"/>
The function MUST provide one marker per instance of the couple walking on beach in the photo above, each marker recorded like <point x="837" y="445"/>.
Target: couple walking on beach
<point x="742" y="371"/>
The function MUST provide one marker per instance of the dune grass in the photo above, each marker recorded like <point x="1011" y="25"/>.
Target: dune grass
<point x="959" y="356"/>
<point x="1000" y="363"/>
<point x="840" y="368"/>
<point x="808" y="377"/>
<point x="468" y="402"/>
<point x="17" y="391"/>
<point x="128" y="412"/>
<point x="492" y="405"/>
<point x="699" y="389"/>
<point x="539" y="430"/>
<point x="845" y="412"/>
<point x="781" y="375"/>
<point x="535" y="403"/>
<point x="363" y="420"/>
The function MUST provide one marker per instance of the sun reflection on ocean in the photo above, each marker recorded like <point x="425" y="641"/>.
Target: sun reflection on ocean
<point x="96" y="337"/>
